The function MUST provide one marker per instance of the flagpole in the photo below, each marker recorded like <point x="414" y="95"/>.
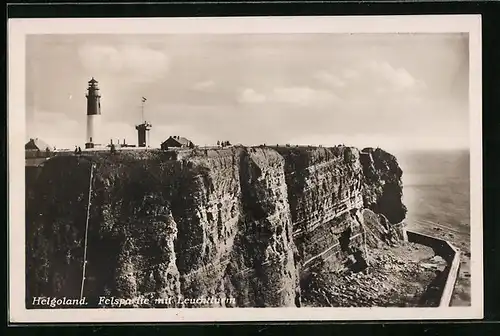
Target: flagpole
<point x="143" y="119"/>
<point x="142" y="108"/>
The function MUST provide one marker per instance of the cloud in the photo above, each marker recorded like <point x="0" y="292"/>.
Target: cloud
<point x="330" y="79"/>
<point x="300" y="96"/>
<point x="349" y="73"/>
<point x="204" y="86"/>
<point x="372" y="76"/>
<point x="392" y="78"/>
<point x="251" y="96"/>
<point x="139" y="63"/>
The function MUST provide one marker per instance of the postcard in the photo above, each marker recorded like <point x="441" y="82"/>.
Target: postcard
<point x="245" y="169"/>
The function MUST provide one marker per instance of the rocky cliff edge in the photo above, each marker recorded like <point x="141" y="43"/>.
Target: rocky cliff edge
<point x="243" y="225"/>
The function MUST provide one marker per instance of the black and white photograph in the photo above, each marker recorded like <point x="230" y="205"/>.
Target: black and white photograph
<point x="248" y="164"/>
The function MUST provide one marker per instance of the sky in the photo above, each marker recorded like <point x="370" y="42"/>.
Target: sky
<point x="395" y="91"/>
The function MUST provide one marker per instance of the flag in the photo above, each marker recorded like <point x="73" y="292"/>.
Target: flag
<point x="143" y="99"/>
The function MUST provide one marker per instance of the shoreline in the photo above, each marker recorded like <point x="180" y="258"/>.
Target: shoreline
<point x="462" y="291"/>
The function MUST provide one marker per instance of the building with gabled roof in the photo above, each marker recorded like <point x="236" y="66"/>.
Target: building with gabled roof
<point x="178" y="142"/>
<point x="37" y="145"/>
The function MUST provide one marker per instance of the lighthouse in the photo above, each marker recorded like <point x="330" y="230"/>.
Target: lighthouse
<point x="93" y="115"/>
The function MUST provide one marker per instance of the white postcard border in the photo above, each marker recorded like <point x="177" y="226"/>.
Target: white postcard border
<point x="19" y="28"/>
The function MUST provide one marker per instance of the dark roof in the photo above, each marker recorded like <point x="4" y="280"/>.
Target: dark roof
<point x="37" y="144"/>
<point x="180" y="140"/>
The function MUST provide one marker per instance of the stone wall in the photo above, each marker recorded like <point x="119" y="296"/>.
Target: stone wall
<point x="448" y="252"/>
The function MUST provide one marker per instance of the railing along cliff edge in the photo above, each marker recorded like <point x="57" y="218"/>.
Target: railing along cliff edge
<point x="448" y="252"/>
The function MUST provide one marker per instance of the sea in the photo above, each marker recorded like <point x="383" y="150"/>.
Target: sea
<point x="436" y="191"/>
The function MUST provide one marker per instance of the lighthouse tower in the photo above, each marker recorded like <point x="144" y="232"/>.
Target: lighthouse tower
<point x="93" y="115"/>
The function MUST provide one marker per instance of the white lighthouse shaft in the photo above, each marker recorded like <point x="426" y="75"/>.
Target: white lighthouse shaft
<point x="94" y="130"/>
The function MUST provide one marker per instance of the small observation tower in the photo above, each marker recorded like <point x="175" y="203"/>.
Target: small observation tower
<point x="143" y="128"/>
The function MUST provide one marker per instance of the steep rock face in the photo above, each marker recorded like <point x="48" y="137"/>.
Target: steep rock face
<point x="208" y="210"/>
<point x="378" y="230"/>
<point x="324" y="191"/>
<point x="242" y="223"/>
<point x="264" y="248"/>
<point x="233" y="220"/>
<point x="382" y="184"/>
<point x="213" y="223"/>
<point x="130" y="228"/>
<point x="50" y="249"/>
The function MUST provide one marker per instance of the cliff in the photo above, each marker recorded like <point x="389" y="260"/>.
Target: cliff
<point x="242" y="223"/>
<point x="382" y="184"/>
